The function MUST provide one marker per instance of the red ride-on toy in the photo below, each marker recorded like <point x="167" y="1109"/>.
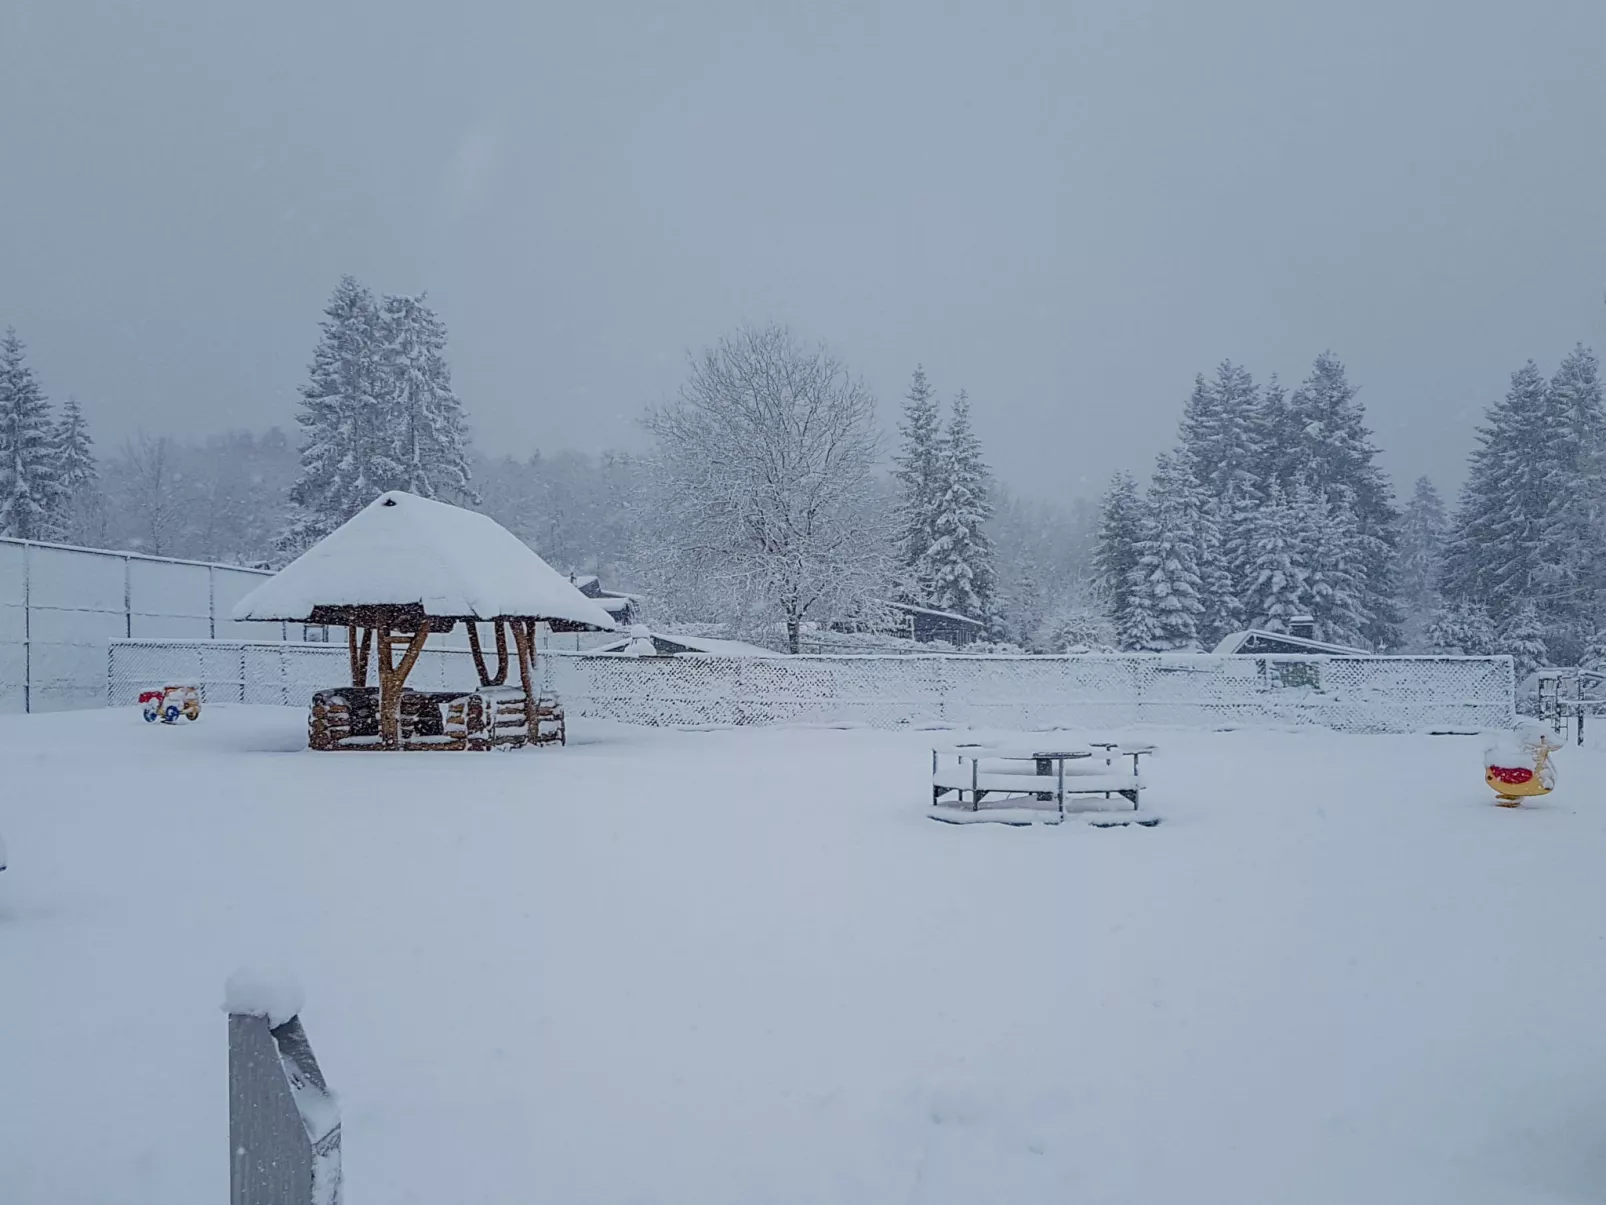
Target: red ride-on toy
<point x="170" y="703"/>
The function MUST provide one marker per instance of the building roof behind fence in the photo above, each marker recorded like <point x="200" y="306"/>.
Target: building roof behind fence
<point x="402" y="550"/>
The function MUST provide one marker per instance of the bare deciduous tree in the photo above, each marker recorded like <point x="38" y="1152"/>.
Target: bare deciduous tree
<point x="766" y="494"/>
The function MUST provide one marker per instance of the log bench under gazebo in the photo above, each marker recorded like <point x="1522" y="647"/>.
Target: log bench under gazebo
<point x="405" y="568"/>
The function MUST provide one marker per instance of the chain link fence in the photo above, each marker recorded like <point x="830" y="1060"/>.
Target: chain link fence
<point x="60" y="605"/>
<point x="1348" y="694"/>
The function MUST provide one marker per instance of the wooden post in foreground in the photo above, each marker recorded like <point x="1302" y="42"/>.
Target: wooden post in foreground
<point x="284" y="1125"/>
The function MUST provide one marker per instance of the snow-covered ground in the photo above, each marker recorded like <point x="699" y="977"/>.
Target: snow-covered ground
<point x="743" y="967"/>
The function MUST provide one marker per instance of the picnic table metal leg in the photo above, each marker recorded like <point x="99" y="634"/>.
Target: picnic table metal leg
<point x="1062" y="788"/>
<point x="1043" y="767"/>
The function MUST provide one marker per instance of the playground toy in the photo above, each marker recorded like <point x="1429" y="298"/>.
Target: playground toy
<point x="1517" y="766"/>
<point x="170" y="703"/>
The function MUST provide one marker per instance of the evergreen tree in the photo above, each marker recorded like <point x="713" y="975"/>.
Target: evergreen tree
<point x="1165" y="594"/>
<point x="424" y="416"/>
<point x="1275" y="435"/>
<point x="1423" y="531"/>
<point x="1115" y="556"/>
<point x="1572" y="566"/>
<point x="1276" y="590"/>
<point x="1219" y="432"/>
<point x="1328" y="559"/>
<point x="1463" y="628"/>
<point x="30" y="484"/>
<point x="349" y="445"/>
<point x="81" y="507"/>
<point x="961" y="556"/>
<point x="1523" y="637"/>
<point x="919" y="475"/>
<point x="1220" y="442"/>
<point x="1494" y="555"/>
<point x="1219" y="587"/>
<point x="75" y="450"/>
<point x="1334" y="455"/>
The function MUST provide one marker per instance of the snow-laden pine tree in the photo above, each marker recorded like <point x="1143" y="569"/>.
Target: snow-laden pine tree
<point x="1329" y="552"/>
<point x="1115" y="557"/>
<point x="1335" y="456"/>
<point x="82" y="509"/>
<point x="961" y="555"/>
<point x="1276" y="590"/>
<point x="349" y="447"/>
<point x="1572" y="570"/>
<point x="1220" y="433"/>
<point x="424" y="416"/>
<point x="30" y="484"/>
<point x="1165" y="594"/>
<point x="920" y="487"/>
<point x="1424" y="527"/>
<point x="1218" y="587"/>
<point x="1498" y="539"/>
<point x="1523" y="637"/>
<point x="1463" y="628"/>
<point x="1221" y="442"/>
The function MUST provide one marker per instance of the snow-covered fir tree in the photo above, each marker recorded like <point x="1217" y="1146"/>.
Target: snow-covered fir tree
<point x="349" y="446"/>
<point x="1330" y="552"/>
<point x="1165" y="604"/>
<point x="1497" y="542"/>
<point x="75" y="450"/>
<point x="81" y="508"/>
<point x="961" y="556"/>
<point x="1221" y="442"/>
<point x="1115" y="558"/>
<point x="1463" y="628"/>
<point x="1276" y="590"/>
<point x="1572" y="571"/>
<point x="424" y="416"/>
<point x="1336" y="458"/>
<point x="920" y="486"/>
<point x="1424" y="527"/>
<point x="30" y="484"/>
<point x="1523" y="637"/>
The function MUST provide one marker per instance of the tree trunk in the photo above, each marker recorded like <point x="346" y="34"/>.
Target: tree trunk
<point x="794" y="634"/>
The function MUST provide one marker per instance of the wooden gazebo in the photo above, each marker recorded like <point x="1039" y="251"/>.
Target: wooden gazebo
<point x="398" y="571"/>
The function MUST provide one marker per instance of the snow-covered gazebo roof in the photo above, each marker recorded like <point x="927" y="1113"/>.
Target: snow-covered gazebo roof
<point x="403" y="551"/>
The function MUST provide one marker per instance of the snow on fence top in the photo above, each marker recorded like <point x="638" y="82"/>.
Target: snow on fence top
<point x="403" y="550"/>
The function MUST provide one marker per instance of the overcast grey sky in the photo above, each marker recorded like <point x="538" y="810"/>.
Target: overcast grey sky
<point x="1067" y="208"/>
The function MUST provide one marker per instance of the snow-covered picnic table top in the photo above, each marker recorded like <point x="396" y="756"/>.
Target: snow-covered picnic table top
<point x="1046" y="750"/>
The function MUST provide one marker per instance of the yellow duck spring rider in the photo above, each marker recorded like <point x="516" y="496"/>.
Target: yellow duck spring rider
<point x="1517" y="766"/>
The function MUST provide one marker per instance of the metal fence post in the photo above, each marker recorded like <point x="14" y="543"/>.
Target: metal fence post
<point x="284" y="1124"/>
<point x="27" y="629"/>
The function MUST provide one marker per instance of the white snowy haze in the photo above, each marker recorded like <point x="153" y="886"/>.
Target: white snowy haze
<point x="1067" y="208"/>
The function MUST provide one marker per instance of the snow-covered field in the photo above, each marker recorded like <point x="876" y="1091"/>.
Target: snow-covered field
<point x="743" y="967"/>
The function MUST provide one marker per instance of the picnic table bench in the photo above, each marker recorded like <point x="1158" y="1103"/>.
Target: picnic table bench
<point x="1046" y="773"/>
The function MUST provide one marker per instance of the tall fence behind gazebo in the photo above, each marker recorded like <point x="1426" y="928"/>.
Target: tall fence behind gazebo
<point x="1349" y="694"/>
<point x="60" y="606"/>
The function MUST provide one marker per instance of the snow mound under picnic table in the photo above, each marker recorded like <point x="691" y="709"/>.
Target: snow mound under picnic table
<point x="742" y="966"/>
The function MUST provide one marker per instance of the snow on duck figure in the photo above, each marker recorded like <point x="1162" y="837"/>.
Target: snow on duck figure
<point x="170" y="703"/>
<point x="1517" y="765"/>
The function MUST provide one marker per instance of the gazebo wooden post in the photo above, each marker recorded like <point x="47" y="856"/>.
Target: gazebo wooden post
<point x="486" y="678"/>
<point x="359" y="652"/>
<point x="524" y="640"/>
<point x="392" y="677"/>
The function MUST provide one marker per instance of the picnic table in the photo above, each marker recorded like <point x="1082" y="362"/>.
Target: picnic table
<point x="1043" y="773"/>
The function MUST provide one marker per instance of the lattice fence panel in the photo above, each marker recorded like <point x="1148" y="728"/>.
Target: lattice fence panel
<point x="1360" y="694"/>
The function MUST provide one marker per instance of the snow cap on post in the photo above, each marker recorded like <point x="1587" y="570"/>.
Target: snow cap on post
<point x="405" y="551"/>
<point x="256" y="992"/>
